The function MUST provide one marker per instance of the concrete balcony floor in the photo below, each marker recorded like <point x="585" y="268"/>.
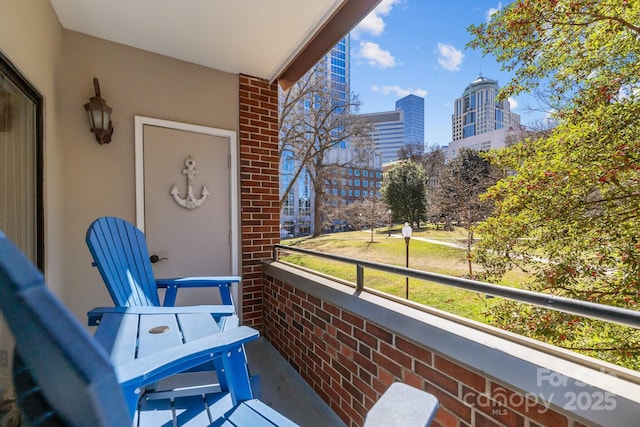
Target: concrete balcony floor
<point x="285" y="390"/>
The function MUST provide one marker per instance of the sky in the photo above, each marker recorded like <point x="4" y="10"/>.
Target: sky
<point x="419" y="47"/>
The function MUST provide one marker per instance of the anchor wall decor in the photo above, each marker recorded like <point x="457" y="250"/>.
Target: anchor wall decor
<point x="190" y="201"/>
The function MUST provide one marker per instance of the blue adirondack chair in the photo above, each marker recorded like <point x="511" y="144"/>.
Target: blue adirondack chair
<point x="63" y="377"/>
<point x="119" y="250"/>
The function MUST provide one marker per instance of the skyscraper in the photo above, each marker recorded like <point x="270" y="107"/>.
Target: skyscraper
<point x="479" y="120"/>
<point x="413" y="108"/>
<point x="389" y="133"/>
<point x="478" y="111"/>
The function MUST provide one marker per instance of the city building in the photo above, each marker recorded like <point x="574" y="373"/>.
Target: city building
<point x="413" y="108"/>
<point x="480" y="121"/>
<point x="388" y="136"/>
<point x="360" y="180"/>
<point x="397" y="129"/>
<point x="297" y="210"/>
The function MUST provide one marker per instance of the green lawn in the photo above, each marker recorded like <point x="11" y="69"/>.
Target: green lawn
<point x="392" y="250"/>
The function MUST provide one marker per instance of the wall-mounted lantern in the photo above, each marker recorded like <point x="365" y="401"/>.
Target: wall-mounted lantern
<point x="99" y="116"/>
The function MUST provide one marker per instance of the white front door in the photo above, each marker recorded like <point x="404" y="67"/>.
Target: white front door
<point x="186" y="201"/>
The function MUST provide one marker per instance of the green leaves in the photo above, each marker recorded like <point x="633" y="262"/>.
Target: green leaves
<point x="570" y="209"/>
<point x="404" y="191"/>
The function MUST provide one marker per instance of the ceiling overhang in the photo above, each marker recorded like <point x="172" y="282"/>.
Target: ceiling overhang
<point x="270" y="39"/>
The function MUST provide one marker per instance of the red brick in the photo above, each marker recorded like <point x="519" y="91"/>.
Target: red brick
<point x="379" y="332"/>
<point x="460" y="373"/>
<point x="397" y="356"/>
<point x="492" y="406"/>
<point x="534" y="410"/>
<point x="452" y="404"/>
<point x="420" y="353"/>
<point x="412" y="379"/>
<point x="388" y="364"/>
<point x="445" y="418"/>
<point x="366" y="338"/>
<point x="354" y="320"/>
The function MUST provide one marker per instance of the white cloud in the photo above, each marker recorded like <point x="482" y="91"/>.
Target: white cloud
<point x="376" y="56"/>
<point x="373" y="24"/>
<point x="513" y="104"/>
<point x="492" y="11"/>
<point x="399" y="91"/>
<point x="449" y="58"/>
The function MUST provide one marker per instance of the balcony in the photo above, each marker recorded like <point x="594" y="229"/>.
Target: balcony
<point x="349" y="344"/>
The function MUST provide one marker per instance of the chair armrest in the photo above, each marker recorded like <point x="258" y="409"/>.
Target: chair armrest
<point x="402" y="405"/>
<point x="136" y="374"/>
<point x="217" y="311"/>
<point x="223" y="283"/>
<point x="197" y="282"/>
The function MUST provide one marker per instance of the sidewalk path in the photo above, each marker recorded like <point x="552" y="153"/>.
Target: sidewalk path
<point x="437" y="242"/>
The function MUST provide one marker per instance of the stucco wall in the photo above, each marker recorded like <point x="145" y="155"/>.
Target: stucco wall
<point x="32" y="38"/>
<point x="99" y="179"/>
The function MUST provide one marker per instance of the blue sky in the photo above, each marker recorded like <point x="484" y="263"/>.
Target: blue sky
<point x="418" y="47"/>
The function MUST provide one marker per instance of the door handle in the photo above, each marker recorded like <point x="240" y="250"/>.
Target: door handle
<point x="155" y="258"/>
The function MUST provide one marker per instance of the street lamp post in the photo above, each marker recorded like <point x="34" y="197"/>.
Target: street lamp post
<point x="389" y="213"/>
<point x="406" y="233"/>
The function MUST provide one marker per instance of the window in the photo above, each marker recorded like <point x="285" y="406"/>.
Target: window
<point x="365" y="173"/>
<point x="287" y="207"/>
<point x="21" y="163"/>
<point x="357" y="172"/>
<point x="357" y="182"/>
<point x="305" y="206"/>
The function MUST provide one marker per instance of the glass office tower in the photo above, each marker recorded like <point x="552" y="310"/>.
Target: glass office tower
<point x="413" y="108"/>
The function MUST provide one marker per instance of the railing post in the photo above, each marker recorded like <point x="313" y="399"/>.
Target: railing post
<point x="274" y="254"/>
<point x="359" y="278"/>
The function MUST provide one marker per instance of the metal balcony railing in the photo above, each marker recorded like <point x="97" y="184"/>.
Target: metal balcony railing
<point x="607" y="313"/>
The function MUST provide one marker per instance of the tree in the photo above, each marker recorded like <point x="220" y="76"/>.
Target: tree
<point x="404" y="191"/>
<point x="313" y="122"/>
<point x="413" y="151"/>
<point x="433" y="162"/>
<point x="462" y="182"/>
<point x="570" y="209"/>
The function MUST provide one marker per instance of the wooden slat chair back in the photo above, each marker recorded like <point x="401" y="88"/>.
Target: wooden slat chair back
<point x="72" y="374"/>
<point x="120" y="253"/>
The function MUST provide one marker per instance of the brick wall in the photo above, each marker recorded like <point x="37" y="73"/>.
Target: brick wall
<point x="349" y="362"/>
<point x="259" y="188"/>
